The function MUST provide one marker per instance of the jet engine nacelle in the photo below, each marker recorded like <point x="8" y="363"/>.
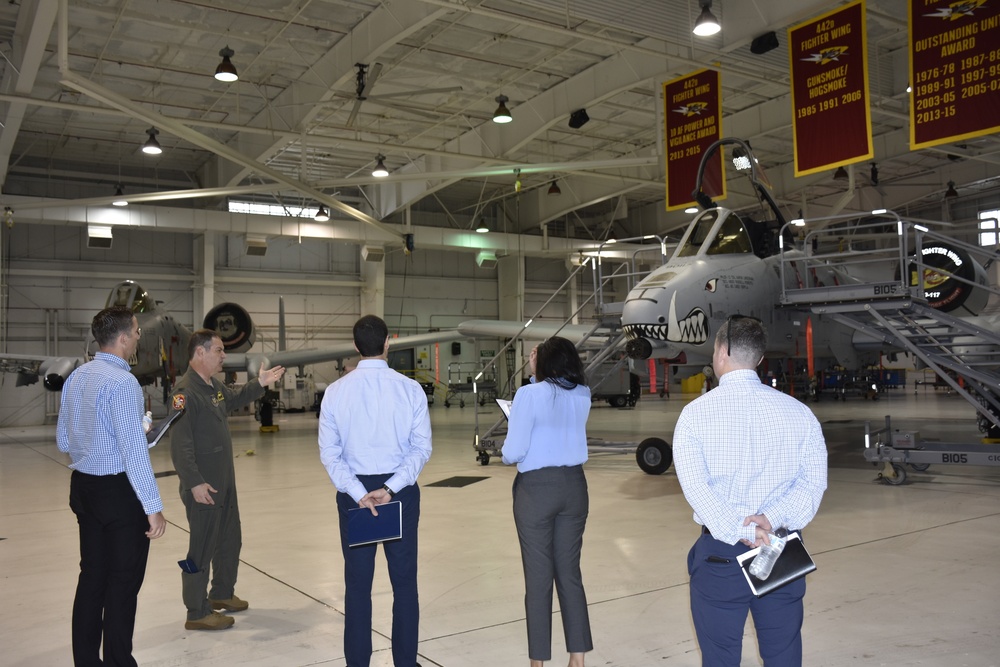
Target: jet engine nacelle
<point x="234" y="326"/>
<point x="963" y="288"/>
<point x="55" y="371"/>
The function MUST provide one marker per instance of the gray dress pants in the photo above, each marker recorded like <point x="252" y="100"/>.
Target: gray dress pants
<point x="550" y="512"/>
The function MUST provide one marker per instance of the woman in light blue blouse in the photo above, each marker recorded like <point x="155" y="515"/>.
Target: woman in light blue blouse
<point x="547" y="439"/>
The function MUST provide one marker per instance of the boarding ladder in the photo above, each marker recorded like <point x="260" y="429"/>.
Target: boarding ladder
<point x="850" y="271"/>
<point x="596" y="347"/>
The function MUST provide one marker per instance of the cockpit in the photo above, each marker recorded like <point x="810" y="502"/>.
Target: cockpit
<point x="130" y="295"/>
<point x="718" y="231"/>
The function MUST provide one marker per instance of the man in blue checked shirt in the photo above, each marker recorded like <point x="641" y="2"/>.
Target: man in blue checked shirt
<point x="112" y="490"/>
<point x="749" y="459"/>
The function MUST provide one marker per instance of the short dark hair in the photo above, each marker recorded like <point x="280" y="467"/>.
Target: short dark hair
<point x="744" y="337"/>
<point x="558" y="361"/>
<point x="370" y="333"/>
<point x="111" y="323"/>
<point x="201" y="338"/>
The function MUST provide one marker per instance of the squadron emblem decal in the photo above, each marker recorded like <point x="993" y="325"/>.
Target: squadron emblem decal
<point x="179" y="402"/>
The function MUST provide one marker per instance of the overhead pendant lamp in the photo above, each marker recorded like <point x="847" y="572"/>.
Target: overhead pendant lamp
<point x="380" y="171"/>
<point x="706" y="24"/>
<point x="226" y="71"/>
<point x="554" y="190"/>
<point x="951" y="191"/>
<point x="482" y="228"/>
<point x="502" y="114"/>
<point x="152" y="146"/>
<point x="119" y="197"/>
<point x="841" y="175"/>
<point x="322" y="215"/>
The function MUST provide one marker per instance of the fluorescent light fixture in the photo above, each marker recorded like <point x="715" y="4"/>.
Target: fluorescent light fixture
<point x="380" y="171"/>
<point x="879" y="211"/>
<point x="920" y="228"/>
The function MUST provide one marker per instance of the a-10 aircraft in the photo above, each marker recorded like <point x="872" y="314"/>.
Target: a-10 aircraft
<point x="161" y="354"/>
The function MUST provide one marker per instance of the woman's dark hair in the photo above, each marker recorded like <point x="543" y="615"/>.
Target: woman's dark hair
<point x="558" y="361"/>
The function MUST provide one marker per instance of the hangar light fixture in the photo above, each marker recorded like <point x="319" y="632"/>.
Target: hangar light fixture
<point x="322" y="215"/>
<point x="482" y="228"/>
<point x="706" y="24"/>
<point x="554" y="190"/>
<point x="152" y="146"/>
<point x="951" y="191"/>
<point x="840" y="174"/>
<point x="119" y="197"/>
<point x="226" y="71"/>
<point x="502" y="114"/>
<point x="380" y="171"/>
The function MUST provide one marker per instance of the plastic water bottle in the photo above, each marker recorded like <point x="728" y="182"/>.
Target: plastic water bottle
<point x="147" y="421"/>
<point x="764" y="562"/>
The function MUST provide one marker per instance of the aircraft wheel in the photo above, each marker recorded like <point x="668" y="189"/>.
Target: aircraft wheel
<point x="484" y="459"/>
<point x="898" y="477"/>
<point x="617" y="401"/>
<point x="920" y="467"/>
<point x="654" y="456"/>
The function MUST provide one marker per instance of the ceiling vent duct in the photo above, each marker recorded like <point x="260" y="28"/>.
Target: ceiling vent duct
<point x="486" y="259"/>
<point x="99" y="237"/>
<point x="256" y="246"/>
<point x="371" y="253"/>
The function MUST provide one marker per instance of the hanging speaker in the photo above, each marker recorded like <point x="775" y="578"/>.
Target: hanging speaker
<point x="766" y="42"/>
<point x="578" y="119"/>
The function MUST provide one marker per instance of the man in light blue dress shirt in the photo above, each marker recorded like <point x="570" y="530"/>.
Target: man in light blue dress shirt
<point x="749" y="459"/>
<point x="374" y="439"/>
<point x="112" y="490"/>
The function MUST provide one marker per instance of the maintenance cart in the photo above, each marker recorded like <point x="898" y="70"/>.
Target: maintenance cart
<point x="461" y="381"/>
<point x="897" y="449"/>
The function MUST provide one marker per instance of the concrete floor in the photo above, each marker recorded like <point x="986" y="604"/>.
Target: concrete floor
<point x="907" y="574"/>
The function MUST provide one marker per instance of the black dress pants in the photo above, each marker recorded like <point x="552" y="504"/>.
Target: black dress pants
<point x="113" y="553"/>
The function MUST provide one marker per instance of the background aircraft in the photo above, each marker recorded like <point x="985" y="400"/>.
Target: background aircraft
<point x="162" y="350"/>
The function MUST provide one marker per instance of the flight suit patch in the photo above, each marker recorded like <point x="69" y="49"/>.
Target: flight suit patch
<point x="179" y="402"/>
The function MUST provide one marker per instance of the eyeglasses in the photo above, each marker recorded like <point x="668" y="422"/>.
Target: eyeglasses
<point x="729" y="329"/>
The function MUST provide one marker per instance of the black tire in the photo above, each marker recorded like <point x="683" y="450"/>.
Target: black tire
<point x="654" y="456"/>
<point x="484" y="459"/>
<point x="618" y="401"/>
<point x="920" y="467"/>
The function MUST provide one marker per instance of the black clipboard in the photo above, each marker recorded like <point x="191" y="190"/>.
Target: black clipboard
<point x="159" y="429"/>
<point x="793" y="563"/>
<point x="365" y="528"/>
<point x="504" y="406"/>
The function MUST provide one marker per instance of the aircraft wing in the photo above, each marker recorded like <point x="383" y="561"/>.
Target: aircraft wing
<point x="253" y="362"/>
<point x="534" y="331"/>
<point x="29" y="367"/>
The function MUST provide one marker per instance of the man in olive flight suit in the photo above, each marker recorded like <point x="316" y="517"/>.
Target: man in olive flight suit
<point x="202" y="451"/>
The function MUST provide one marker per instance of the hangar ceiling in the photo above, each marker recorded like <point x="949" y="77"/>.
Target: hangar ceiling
<point x="75" y="108"/>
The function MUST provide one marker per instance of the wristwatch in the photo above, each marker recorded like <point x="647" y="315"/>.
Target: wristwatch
<point x="392" y="494"/>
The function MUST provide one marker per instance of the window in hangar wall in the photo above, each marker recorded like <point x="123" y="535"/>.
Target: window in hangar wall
<point x="988" y="227"/>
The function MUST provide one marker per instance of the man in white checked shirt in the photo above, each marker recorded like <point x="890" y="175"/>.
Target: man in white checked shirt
<point x="749" y="459"/>
<point x="113" y="491"/>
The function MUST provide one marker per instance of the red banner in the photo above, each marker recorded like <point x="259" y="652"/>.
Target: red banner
<point x="692" y="121"/>
<point x="954" y="70"/>
<point x="831" y="118"/>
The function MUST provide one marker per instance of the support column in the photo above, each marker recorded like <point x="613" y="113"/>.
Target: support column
<point x="572" y="295"/>
<point x="373" y="291"/>
<point x="204" y="283"/>
<point x="510" y="297"/>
